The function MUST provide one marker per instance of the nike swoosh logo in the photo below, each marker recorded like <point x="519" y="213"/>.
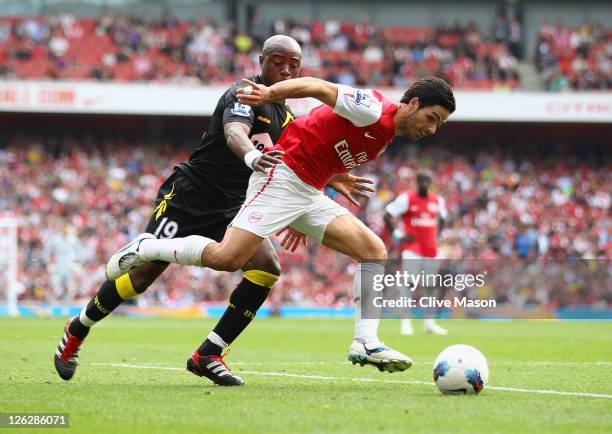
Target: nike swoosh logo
<point x="369" y="136"/>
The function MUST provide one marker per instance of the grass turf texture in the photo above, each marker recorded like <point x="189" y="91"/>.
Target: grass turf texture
<point x="561" y="356"/>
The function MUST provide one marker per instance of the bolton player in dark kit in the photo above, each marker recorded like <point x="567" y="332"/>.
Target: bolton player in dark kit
<point x="201" y="197"/>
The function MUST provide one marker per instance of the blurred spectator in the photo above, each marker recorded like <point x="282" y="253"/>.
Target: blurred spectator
<point x="58" y="45"/>
<point x="123" y="47"/>
<point x="576" y="58"/>
<point x="502" y="205"/>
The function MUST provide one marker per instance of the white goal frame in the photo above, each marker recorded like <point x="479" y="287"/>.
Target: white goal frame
<point x="9" y="261"/>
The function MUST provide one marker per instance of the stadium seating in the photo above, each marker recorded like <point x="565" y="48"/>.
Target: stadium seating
<point x="130" y="48"/>
<point x="501" y="206"/>
<point x="574" y="58"/>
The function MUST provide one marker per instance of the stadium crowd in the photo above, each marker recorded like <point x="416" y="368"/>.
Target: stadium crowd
<point x="116" y="47"/>
<point x="78" y="199"/>
<point x="575" y="58"/>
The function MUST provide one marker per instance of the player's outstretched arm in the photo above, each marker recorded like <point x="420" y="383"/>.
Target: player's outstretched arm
<point x="237" y="138"/>
<point x="302" y="87"/>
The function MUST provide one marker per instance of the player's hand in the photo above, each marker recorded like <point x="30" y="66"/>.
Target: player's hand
<point x="292" y="239"/>
<point x="267" y="161"/>
<point x="260" y="94"/>
<point x="350" y="186"/>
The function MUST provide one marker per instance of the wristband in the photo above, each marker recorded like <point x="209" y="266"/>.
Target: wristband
<point x="251" y="156"/>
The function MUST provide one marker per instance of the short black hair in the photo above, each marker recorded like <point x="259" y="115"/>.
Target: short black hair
<point x="424" y="173"/>
<point x="431" y="91"/>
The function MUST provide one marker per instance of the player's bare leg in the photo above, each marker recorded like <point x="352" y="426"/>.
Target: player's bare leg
<point x="230" y="254"/>
<point x="346" y="234"/>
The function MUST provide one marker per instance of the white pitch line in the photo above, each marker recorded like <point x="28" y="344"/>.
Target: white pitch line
<point x="549" y="363"/>
<point x="428" y="363"/>
<point x="367" y="380"/>
<point x="550" y="392"/>
<point x="295" y="363"/>
<point x="491" y="362"/>
<point x="536" y="363"/>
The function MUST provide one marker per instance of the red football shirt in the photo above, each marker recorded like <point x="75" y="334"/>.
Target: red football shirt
<point x="420" y="219"/>
<point x="329" y="141"/>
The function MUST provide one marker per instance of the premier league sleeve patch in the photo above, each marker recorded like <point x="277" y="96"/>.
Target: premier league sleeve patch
<point x="362" y="98"/>
<point x="241" y="110"/>
<point x="360" y="106"/>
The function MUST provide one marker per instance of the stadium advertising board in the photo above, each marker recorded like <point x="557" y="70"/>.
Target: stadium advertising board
<point x="151" y="99"/>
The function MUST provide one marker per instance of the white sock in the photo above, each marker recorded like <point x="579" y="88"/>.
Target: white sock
<point x="217" y="340"/>
<point x="184" y="251"/>
<point x="84" y="319"/>
<point x="366" y="330"/>
<point x="429" y="322"/>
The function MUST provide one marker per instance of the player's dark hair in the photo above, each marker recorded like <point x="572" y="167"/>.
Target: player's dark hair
<point x="424" y="173"/>
<point x="431" y="91"/>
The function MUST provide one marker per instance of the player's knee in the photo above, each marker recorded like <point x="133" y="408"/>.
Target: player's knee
<point x="269" y="265"/>
<point x="141" y="280"/>
<point x="373" y="248"/>
<point x="222" y="257"/>
<point x="231" y="264"/>
<point x="142" y="277"/>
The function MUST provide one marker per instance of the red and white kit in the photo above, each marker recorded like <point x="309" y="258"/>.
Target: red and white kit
<point x="317" y="147"/>
<point x="419" y="217"/>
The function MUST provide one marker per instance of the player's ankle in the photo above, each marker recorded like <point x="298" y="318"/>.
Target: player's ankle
<point x="78" y="329"/>
<point x="209" y="349"/>
<point x="366" y="339"/>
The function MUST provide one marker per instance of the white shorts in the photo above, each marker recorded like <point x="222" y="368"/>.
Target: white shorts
<point x="414" y="263"/>
<point x="280" y="199"/>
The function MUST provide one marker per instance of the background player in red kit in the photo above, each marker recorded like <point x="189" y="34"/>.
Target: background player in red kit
<point x="422" y="215"/>
<point x="353" y="126"/>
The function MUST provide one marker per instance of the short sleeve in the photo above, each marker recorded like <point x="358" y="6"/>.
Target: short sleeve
<point x="360" y="106"/>
<point x="442" y="208"/>
<point x="233" y="111"/>
<point x="398" y="206"/>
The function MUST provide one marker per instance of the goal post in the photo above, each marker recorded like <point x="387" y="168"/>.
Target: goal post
<point x="9" y="264"/>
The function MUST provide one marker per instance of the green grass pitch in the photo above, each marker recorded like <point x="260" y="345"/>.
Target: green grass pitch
<point x="131" y="379"/>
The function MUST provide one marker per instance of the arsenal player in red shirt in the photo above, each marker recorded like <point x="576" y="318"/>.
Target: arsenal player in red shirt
<point x="352" y="126"/>
<point x="421" y="215"/>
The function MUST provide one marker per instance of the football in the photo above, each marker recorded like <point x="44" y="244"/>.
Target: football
<point x="461" y="370"/>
